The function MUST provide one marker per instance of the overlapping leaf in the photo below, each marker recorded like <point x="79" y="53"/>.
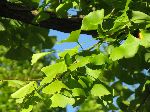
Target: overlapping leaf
<point x="128" y="49"/>
<point x="80" y="63"/>
<point x="78" y="92"/>
<point x="54" y="87"/>
<point x="59" y="100"/>
<point x="37" y="56"/>
<point x="53" y="69"/>
<point x="98" y="59"/>
<point x="22" y="92"/>
<point x="99" y="90"/>
<point x="92" y="20"/>
<point x="73" y="37"/>
<point x="140" y="17"/>
<point x="145" y="40"/>
<point x="71" y="52"/>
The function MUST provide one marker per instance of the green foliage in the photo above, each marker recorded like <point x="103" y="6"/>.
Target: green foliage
<point x="73" y="37"/>
<point x="37" y="56"/>
<point x="89" y="78"/>
<point x="27" y="89"/>
<point x="91" y="21"/>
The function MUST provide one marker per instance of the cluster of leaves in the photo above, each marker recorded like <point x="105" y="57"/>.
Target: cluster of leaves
<point x="92" y="78"/>
<point x="22" y="39"/>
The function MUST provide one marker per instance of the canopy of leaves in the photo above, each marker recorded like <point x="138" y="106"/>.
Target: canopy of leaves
<point x="117" y="67"/>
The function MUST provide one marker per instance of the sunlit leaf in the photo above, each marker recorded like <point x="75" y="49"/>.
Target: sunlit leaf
<point x="29" y="109"/>
<point x="15" y="83"/>
<point x="54" y="87"/>
<point x="48" y="79"/>
<point x="91" y="21"/>
<point x="71" y="52"/>
<point x="53" y="69"/>
<point x="73" y="37"/>
<point x="37" y="56"/>
<point x="59" y="100"/>
<point x="82" y="62"/>
<point x="139" y="17"/>
<point x="99" y="90"/>
<point x="98" y="59"/>
<point x="145" y="40"/>
<point x="128" y="49"/>
<point x="93" y="73"/>
<point x="78" y="92"/>
<point x="22" y="92"/>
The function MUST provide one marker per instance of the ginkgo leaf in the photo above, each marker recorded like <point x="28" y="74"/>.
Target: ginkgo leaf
<point x="99" y="90"/>
<point x="145" y="41"/>
<point x="59" y="100"/>
<point x="53" y="69"/>
<point x="93" y="73"/>
<point x="48" y="79"/>
<point x="121" y="22"/>
<point x="128" y="49"/>
<point x="22" y="92"/>
<point x="37" y="56"/>
<point x="54" y="87"/>
<point x="71" y="52"/>
<point x="92" y="20"/>
<point x="131" y="46"/>
<point x="15" y="83"/>
<point x="83" y="61"/>
<point x="117" y="53"/>
<point x="73" y="37"/>
<point x="29" y="109"/>
<point x="78" y="92"/>
<point x="139" y="17"/>
<point x="98" y="59"/>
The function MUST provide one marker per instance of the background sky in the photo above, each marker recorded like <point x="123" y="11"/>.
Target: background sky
<point x="85" y="40"/>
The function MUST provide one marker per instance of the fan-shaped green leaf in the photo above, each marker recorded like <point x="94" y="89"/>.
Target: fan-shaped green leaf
<point x="54" y="87"/>
<point x="53" y="69"/>
<point x="15" y="83"/>
<point x="145" y="39"/>
<point x="82" y="62"/>
<point x="48" y="79"/>
<point x="73" y="37"/>
<point x="98" y="59"/>
<point x="91" y="21"/>
<point x="37" y="56"/>
<point x="99" y="90"/>
<point x="131" y="46"/>
<point x="128" y="49"/>
<point x="59" y="100"/>
<point x="93" y="73"/>
<point x="27" y="89"/>
<point x="29" y="109"/>
<point x="139" y="17"/>
<point x="71" y="52"/>
<point x="78" y="92"/>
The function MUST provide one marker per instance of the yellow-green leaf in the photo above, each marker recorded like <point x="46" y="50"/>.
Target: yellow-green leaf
<point x="54" y="68"/>
<point x="99" y="90"/>
<point x="92" y="20"/>
<point x="59" y="100"/>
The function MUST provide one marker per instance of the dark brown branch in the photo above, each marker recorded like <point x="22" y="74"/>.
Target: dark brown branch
<point x="23" y="14"/>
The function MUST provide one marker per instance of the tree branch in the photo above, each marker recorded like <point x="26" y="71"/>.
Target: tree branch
<point x="26" y="15"/>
